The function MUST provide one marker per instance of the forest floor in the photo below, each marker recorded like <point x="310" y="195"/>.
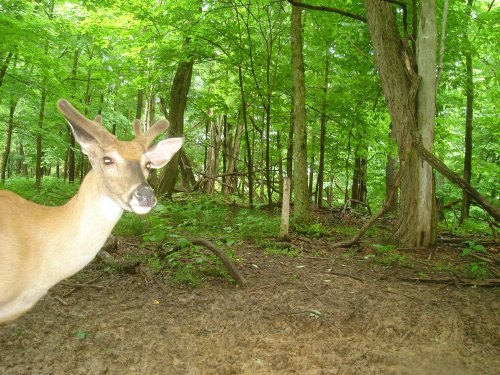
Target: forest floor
<point x="322" y="311"/>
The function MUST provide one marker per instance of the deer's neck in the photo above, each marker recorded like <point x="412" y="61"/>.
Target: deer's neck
<point x="86" y="221"/>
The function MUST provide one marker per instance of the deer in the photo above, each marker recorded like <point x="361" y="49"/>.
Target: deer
<point x="42" y="245"/>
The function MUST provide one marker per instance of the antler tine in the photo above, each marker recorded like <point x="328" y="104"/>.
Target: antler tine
<point x="137" y="128"/>
<point x="76" y="118"/>
<point x="152" y="132"/>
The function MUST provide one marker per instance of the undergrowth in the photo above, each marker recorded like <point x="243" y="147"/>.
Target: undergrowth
<point x="172" y="223"/>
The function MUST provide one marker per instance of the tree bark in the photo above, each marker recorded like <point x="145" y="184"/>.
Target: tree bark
<point x="426" y="106"/>
<point x="469" y="113"/>
<point x="8" y="140"/>
<point x="234" y="150"/>
<point x="39" y="150"/>
<point x="456" y="179"/>
<point x="247" y="137"/>
<point x="390" y="175"/>
<point x="5" y="66"/>
<point x="285" y="210"/>
<point x="322" y="135"/>
<point x="178" y="102"/>
<point x="70" y="164"/>
<point x="301" y="201"/>
<point x="397" y="68"/>
<point x="140" y="104"/>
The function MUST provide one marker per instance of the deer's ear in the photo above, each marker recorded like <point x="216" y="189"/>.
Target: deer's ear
<point x="161" y="153"/>
<point x="86" y="140"/>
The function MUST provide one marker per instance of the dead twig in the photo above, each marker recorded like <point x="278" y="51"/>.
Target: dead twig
<point x="345" y="275"/>
<point x="75" y="287"/>
<point x="487" y="283"/>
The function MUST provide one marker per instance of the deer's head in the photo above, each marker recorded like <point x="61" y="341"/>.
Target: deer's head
<point x="123" y="166"/>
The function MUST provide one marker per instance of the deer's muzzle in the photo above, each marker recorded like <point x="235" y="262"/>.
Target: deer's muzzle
<point x="143" y="200"/>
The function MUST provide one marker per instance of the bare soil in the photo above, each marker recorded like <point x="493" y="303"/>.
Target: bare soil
<point x="325" y="312"/>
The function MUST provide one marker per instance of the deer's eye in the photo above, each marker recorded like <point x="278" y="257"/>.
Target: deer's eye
<point x="108" y="161"/>
<point x="149" y="166"/>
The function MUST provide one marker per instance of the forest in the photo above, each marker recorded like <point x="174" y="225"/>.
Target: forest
<point x="376" y="122"/>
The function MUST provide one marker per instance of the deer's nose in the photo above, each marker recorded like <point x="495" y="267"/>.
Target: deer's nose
<point x="145" y="196"/>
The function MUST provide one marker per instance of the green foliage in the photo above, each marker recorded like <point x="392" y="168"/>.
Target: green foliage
<point x="81" y="334"/>
<point x="314" y="230"/>
<point x="478" y="269"/>
<point x="444" y="267"/>
<point x="280" y="249"/>
<point x="473" y="247"/>
<point x="388" y="255"/>
<point x="53" y="191"/>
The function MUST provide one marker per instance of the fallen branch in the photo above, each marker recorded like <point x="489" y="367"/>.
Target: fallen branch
<point x="345" y="275"/>
<point x="375" y="217"/>
<point x="456" y="179"/>
<point x="78" y="286"/>
<point x="219" y="253"/>
<point x="488" y="283"/>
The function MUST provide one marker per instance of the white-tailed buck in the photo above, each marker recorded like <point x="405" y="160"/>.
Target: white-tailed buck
<point x="41" y="245"/>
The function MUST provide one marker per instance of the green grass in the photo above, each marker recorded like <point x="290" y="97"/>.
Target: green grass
<point x="53" y="191"/>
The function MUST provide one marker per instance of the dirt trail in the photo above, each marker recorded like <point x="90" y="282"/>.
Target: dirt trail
<point x="299" y="315"/>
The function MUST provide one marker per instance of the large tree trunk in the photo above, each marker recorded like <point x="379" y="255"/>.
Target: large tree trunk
<point x="390" y="176"/>
<point x="301" y="201"/>
<point x="8" y="140"/>
<point x="398" y="73"/>
<point x="426" y="104"/>
<point x="178" y="101"/>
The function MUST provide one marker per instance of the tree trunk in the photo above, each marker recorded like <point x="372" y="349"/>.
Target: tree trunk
<point x="247" y="137"/>
<point x="5" y="66"/>
<point x="456" y="179"/>
<point x="213" y="159"/>
<point x="358" y="189"/>
<point x="426" y="116"/>
<point x="289" y="153"/>
<point x="8" y="140"/>
<point x="397" y="69"/>
<point x="390" y="176"/>
<point x="322" y="135"/>
<point x="140" y="104"/>
<point x="469" y="112"/>
<point x="234" y="150"/>
<point x="70" y="164"/>
<point x="178" y="101"/>
<point x="189" y="180"/>
<point x="39" y="151"/>
<point x="301" y="207"/>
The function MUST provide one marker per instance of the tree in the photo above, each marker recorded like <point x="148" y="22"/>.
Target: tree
<point x="403" y="89"/>
<point x="301" y="201"/>
<point x="469" y="111"/>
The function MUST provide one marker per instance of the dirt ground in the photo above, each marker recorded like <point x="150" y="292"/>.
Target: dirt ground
<point x="321" y="313"/>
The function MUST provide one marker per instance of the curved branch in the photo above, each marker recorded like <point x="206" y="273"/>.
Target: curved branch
<point x="328" y="9"/>
<point x="219" y="253"/>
